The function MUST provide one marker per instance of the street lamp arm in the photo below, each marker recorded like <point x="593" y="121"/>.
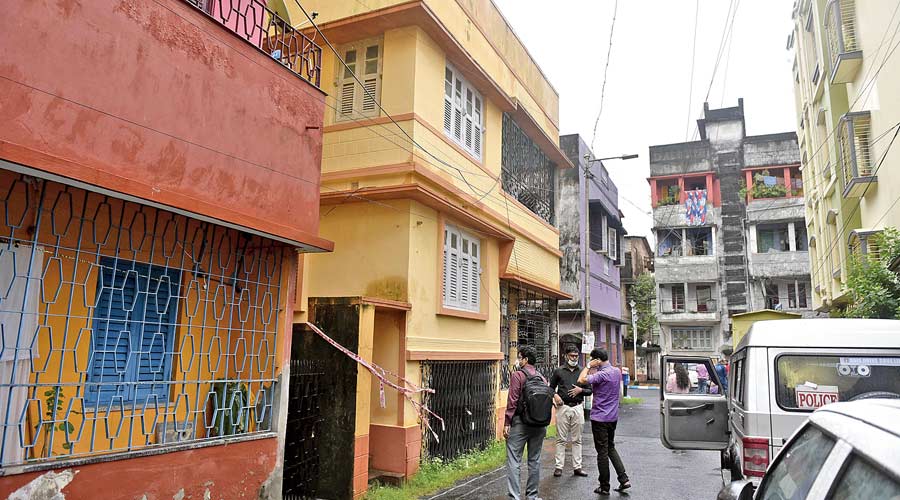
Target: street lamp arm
<point x="623" y="157"/>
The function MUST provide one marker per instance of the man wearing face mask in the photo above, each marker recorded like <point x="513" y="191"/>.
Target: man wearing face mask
<point x="568" y="401"/>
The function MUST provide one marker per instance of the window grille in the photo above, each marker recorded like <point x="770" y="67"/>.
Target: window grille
<point x="465" y="394"/>
<point x="855" y="146"/>
<point x="527" y="173"/>
<point x="127" y="327"/>
<point x="691" y="339"/>
<point x="532" y="314"/>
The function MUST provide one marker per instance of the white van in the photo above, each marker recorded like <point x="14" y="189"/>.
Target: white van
<point x="779" y="373"/>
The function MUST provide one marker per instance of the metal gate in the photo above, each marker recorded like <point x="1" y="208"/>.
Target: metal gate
<point x="301" y="453"/>
<point x="464" y="394"/>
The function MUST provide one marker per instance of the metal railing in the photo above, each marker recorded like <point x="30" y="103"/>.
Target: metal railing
<point x="855" y="150"/>
<point x="257" y="24"/>
<point x="666" y="306"/>
<point x="840" y="28"/>
<point x="126" y="327"/>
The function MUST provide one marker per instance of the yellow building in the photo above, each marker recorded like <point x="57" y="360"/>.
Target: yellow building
<point x="845" y="79"/>
<point x="741" y="323"/>
<point x="440" y="160"/>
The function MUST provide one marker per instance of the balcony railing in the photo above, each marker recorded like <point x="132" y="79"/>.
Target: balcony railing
<point x="843" y="46"/>
<point x="689" y="306"/>
<point x="260" y="26"/>
<point x="855" y="161"/>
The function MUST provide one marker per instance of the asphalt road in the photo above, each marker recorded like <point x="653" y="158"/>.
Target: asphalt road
<point x="656" y="473"/>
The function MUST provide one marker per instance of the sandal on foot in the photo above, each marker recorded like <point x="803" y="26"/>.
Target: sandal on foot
<point x="601" y="491"/>
<point x="624" y="486"/>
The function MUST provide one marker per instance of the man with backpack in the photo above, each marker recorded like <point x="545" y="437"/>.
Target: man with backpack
<point x="529" y="407"/>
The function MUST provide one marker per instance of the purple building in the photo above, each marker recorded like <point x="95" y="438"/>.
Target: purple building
<point x="605" y="251"/>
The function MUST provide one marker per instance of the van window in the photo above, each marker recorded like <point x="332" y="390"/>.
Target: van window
<point x="738" y="387"/>
<point x="861" y="480"/>
<point x="804" y="383"/>
<point x="793" y="475"/>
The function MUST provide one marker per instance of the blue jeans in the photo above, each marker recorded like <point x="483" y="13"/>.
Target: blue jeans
<point x="520" y="435"/>
<point x="703" y="385"/>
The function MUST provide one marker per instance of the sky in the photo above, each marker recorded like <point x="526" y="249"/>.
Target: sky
<point x="648" y="86"/>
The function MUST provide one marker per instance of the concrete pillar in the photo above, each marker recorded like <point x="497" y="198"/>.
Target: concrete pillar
<point x="752" y="238"/>
<point x="681" y="194"/>
<point x="554" y="332"/>
<point x="792" y="235"/>
<point x="512" y="319"/>
<point x="749" y="181"/>
<point x="787" y="182"/>
<point x="654" y="195"/>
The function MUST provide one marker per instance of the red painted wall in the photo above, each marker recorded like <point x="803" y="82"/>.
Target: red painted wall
<point x="234" y="471"/>
<point x="157" y="100"/>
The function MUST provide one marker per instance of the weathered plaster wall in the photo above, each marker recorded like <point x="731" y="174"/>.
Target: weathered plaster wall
<point x="158" y="101"/>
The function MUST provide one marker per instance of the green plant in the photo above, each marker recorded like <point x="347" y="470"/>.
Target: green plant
<point x="231" y="420"/>
<point x="761" y="190"/>
<point x="643" y="293"/>
<point x="628" y="400"/>
<point x="873" y="288"/>
<point x="743" y="190"/>
<point x="53" y="400"/>
<point x="671" y="197"/>
<point x="437" y="474"/>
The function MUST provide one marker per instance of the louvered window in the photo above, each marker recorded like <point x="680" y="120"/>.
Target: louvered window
<point x="133" y="333"/>
<point x="354" y="100"/>
<point x="462" y="270"/>
<point x="613" y="241"/>
<point x="463" y="112"/>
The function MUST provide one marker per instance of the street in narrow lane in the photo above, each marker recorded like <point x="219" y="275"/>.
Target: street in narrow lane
<point x="656" y="472"/>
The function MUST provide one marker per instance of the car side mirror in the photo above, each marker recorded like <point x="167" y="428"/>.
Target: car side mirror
<point x="736" y="490"/>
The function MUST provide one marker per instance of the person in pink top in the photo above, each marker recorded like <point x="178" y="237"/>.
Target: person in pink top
<point x="678" y="381"/>
<point x="702" y="379"/>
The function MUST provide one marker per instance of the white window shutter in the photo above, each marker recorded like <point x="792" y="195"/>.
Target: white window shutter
<point x="348" y="89"/>
<point x="446" y="287"/>
<point x="613" y="244"/>
<point x="369" y="102"/>
<point x="448" y="114"/>
<point x="604" y="232"/>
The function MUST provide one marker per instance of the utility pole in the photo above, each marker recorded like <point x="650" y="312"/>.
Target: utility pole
<point x="588" y="177"/>
<point x="587" y="245"/>
<point x="634" y="334"/>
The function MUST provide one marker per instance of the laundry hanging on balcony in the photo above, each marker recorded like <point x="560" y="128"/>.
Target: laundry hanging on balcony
<point x="695" y="207"/>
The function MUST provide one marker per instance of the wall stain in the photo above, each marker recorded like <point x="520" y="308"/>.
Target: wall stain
<point x="178" y="36"/>
<point x="391" y="287"/>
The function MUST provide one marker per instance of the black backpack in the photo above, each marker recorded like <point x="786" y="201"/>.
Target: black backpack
<point x="536" y="401"/>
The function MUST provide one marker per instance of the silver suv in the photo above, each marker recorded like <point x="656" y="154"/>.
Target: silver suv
<point x="844" y="451"/>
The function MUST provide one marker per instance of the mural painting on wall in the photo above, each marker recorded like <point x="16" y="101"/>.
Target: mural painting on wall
<point x="695" y="207"/>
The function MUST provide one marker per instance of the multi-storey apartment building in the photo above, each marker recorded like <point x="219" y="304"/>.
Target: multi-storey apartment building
<point x="440" y="165"/>
<point x="603" y="245"/>
<point x="159" y="166"/>
<point x="726" y="215"/>
<point x="845" y="75"/>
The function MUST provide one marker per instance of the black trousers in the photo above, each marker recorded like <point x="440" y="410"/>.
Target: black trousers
<point x="604" y="442"/>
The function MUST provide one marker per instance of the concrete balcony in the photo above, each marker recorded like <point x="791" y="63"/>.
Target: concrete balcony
<point x="779" y="264"/>
<point x="675" y="216"/>
<point x="843" y="46"/>
<point x="698" y="268"/>
<point x="775" y="209"/>
<point x="208" y="108"/>
<point x="694" y="311"/>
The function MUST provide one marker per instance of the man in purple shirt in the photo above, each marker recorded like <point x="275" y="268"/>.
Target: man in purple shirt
<point x="605" y="379"/>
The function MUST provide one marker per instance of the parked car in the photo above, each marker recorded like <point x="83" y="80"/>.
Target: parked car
<point x="781" y="372"/>
<point x="844" y="451"/>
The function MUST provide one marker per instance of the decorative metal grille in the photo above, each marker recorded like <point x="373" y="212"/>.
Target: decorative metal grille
<point x="464" y="397"/>
<point x="126" y="327"/>
<point x="301" y="453"/>
<point x="527" y="173"/>
<point x="253" y="21"/>
<point x="533" y="319"/>
<point x="544" y="369"/>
